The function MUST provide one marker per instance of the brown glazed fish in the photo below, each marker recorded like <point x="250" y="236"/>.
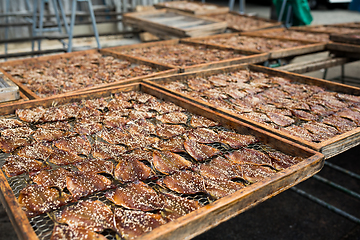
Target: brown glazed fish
<point x="203" y="135"/>
<point x="136" y="196"/>
<point x="36" y="200"/>
<point x="352" y="115"/>
<point x="105" y="151"/>
<point x="32" y="115"/>
<point x="43" y="134"/>
<point x="8" y="145"/>
<point x="218" y="188"/>
<point x="299" y="132"/>
<point x="75" y="145"/>
<point x="320" y="131"/>
<point x="96" y="166"/>
<point x="167" y="162"/>
<point x="141" y="126"/>
<point x="15" y="165"/>
<point x="175" y="206"/>
<point x="53" y="114"/>
<point x="130" y="170"/>
<point x="61" y="157"/>
<point x="185" y="182"/>
<point x="115" y="119"/>
<point x="90" y="215"/>
<point x="174" y="144"/>
<point x="20" y="132"/>
<point x="236" y="140"/>
<point x="199" y="151"/>
<point x="11" y="123"/>
<point x="51" y="178"/>
<point x="220" y="168"/>
<point x="132" y="224"/>
<point x="341" y="124"/>
<point x="251" y="156"/>
<point x="81" y="184"/>
<point x="87" y="127"/>
<point x="255" y="173"/>
<point x="36" y="151"/>
<point x="140" y="155"/>
<point x="61" y="232"/>
<point x="280" y="119"/>
<point x="173" y="118"/>
<point x="200" y="121"/>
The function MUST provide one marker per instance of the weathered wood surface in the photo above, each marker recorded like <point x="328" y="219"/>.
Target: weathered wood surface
<point x="310" y="47"/>
<point x="209" y="216"/>
<point x="314" y="65"/>
<point x="163" y="70"/>
<point x="351" y="38"/>
<point x="202" y="8"/>
<point x="329" y="148"/>
<point x="253" y="56"/>
<point x="169" y="22"/>
<point x="344" y="49"/>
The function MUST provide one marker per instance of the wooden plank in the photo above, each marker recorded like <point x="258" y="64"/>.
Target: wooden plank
<point x="344" y="49"/>
<point x="352" y="38"/>
<point x="324" y="29"/>
<point x="207" y="217"/>
<point x="329" y="148"/>
<point x="198" y="8"/>
<point x="310" y="66"/>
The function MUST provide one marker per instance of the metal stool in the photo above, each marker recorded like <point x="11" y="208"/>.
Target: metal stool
<point x="39" y="31"/>
<point x="73" y="13"/>
<point x="287" y="23"/>
<point x="241" y="6"/>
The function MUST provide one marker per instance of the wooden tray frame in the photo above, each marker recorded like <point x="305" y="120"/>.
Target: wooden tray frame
<point x="260" y="32"/>
<point x="135" y="19"/>
<point x="346" y="25"/>
<point x="219" y="9"/>
<point x="344" y="49"/>
<point x="311" y="29"/>
<point x="329" y="148"/>
<point x="275" y="54"/>
<point x="271" y="23"/>
<point x="207" y="217"/>
<point x="164" y="70"/>
<point x="346" y="38"/>
<point x="254" y="57"/>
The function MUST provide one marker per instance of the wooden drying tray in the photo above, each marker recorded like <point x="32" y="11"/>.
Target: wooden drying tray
<point x="253" y="56"/>
<point x="312" y="28"/>
<point x="263" y="32"/>
<point x="163" y="70"/>
<point x="329" y="148"/>
<point x="343" y="49"/>
<point x="237" y="28"/>
<point x="310" y="47"/>
<point x="350" y="38"/>
<point x="347" y="25"/>
<point x="166" y="23"/>
<point x="176" y="5"/>
<point x="204" y="218"/>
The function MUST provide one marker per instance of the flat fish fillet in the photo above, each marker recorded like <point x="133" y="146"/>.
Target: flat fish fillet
<point x="199" y="151"/>
<point x="51" y="178"/>
<point x="61" y="232"/>
<point x="236" y="140"/>
<point x="218" y="188"/>
<point x="169" y="131"/>
<point x="32" y="115"/>
<point x="8" y="145"/>
<point x="11" y="123"/>
<point x="280" y="119"/>
<point x="174" y="144"/>
<point x="75" y="145"/>
<point x="341" y="124"/>
<point x="36" y="151"/>
<point x="200" y="121"/>
<point x="85" y="127"/>
<point x="90" y="215"/>
<point x="101" y="150"/>
<point x="132" y="224"/>
<point x="173" y="118"/>
<point x="185" y="182"/>
<point x="15" y="165"/>
<point x="255" y="173"/>
<point x="96" y="166"/>
<point x="220" y="168"/>
<point x="282" y="161"/>
<point x="175" y="206"/>
<point x="246" y="155"/>
<point x="167" y="162"/>
<point x="49" y="135"/>
<point x="130" y="170"/>
<point x="203" y="135"/>
<point x="61" y="157"/>
<point x="136" y="196"/>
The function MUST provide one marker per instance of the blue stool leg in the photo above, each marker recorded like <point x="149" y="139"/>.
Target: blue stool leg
<point x="231" y="4"/>
<point x="33" y="34"/>
<point x="7" y="9"/>
<point x="282" y="10"/>
<point x="242" y="6"/>
<point x="73" y="11"/>
<point x="57" y="15"/>
<point x="41" y="22"/>
<point x="94" y="24"/>
<point x="63" y="16"/>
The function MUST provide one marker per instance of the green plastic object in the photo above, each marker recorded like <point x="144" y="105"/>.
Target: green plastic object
<point x="301" y="11"/>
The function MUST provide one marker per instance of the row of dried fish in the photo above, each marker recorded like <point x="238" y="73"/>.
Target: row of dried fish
<point x="302" y="110"/>
<point x="57" y="76"/>
<point x="251" y="43"/>
<point x="182" y="54"/>
<point x="295" y="35"/>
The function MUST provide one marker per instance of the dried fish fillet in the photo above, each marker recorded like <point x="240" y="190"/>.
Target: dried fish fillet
<point x="199" y="151"/>
<point x="255" y="173"/>
<point x="32" y="115"/>
<point x="218" y="188"/>
<point x="280" y="119"/>
<point x="90" y="215"/>
<point x="136" y="196"/>
<point x="200" y="121"/>
<point x="61" y="157"/>
<point x="351" y="115"/>
<point x="51" y="178"/>
<point x="53" y="114"/>
<point x="75" y="145"/>
<point x="8" y="145"/>
<point x="115" y="119"/>
<point x="96" y="166"/>
<point x="131" y="224"/>
<point x="20" y="132"/>
<point x="81" y="184"/>
<point x="130" y="170"/>
<point x="139" y="155"/>
<point x="203" y="135"/>
<point x="167" y="162"/>
<point x="11" y="123"/>
<point x="236" y="140"/>
<point x="174" y="144"/>
<point x="169" y="131"/>
<point x="15" y="165"/>
<point x="185" y="182"/>
<point x="175" y="206"/>
<point x="49" y="135"/>
<point x="303" y="115"/>
<point x="173" y="118"/>
<point x="61" y="232"/>
<point x="341" y="124"/>
<point x="101" y="150"/>
<point x="299" y="132"/>
<point x="198" y="84"/>
<point x="320" y="131"/>
<point x="220" y="168"/>
<point x="251" y="156"/>
<point x="36" y="151"/>
<point x="36" y="200"/>
<point x="141" y="127"/>
<point x="281" y="161"/>
<point x="87" y="127"/>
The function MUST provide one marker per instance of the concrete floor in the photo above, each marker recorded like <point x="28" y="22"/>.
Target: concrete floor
<point x="290" y="215"/>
